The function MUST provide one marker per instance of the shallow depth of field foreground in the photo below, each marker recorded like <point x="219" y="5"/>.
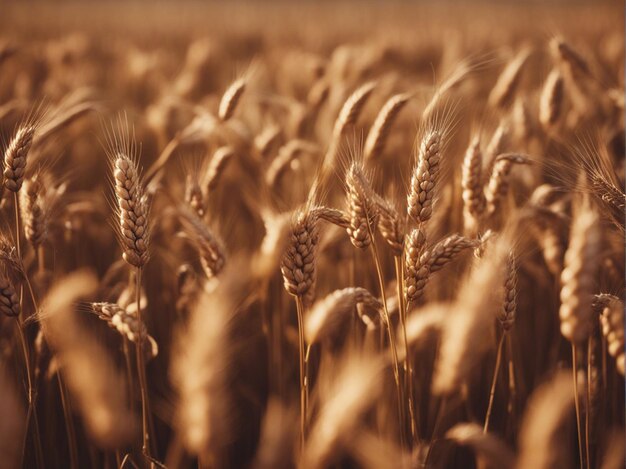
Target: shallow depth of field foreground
<point x="298" y="235"/>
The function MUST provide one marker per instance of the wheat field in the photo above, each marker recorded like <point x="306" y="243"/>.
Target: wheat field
<point x="312" y="235"/>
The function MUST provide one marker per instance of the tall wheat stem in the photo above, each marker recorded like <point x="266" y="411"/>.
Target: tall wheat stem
<point x="17" y="225"/>
<point x="512" y="383"/>
<point x="32" y="410"/>
<point x="303" y="380"/>
<point x="41" y="262"/>
<point x="408" y="368"/>
<point x="129" y="373"/>
<point x="577" y="404"/>
<point x="69" y="423"/>
<point x="433" y="439"/>
<point x="588" y="405"/>
<point x="392" y="342"/>
<point x="141" y="371"/>
<point x="494" y="381"/>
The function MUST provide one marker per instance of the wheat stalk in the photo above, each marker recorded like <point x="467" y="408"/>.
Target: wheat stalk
<point x="506" y="318"/>
<point x="90" y="373"/>
<point x="577" y="279"/>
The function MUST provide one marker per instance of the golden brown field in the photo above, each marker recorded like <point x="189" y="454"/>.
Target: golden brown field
<point x="312" y="235"/>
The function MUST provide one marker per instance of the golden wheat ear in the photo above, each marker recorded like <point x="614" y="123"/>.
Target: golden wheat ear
<point x="424" y="178"/>
<point x="231" y="99"/>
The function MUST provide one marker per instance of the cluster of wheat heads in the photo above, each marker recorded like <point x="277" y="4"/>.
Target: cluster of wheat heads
<point x="324" y="262"/>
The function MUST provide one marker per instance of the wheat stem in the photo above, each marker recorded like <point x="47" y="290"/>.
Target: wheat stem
<point x="31" y="401"/>
<point x="129" y="373"/>
<point x="69" y="423"/>
<point x="392" y="342"/>
<point x="408" y="368"/>
<point x="512" y="384"/>
<point x="141" y="371"/>
<point x="17" y="225"/>
<point x="41" y="262"/>
<point x="433" y="438"/>
<point x="32" y="410"/>
<point x="303" y="403"/>
<point x="577" y="404"/>
<point x="588" y="404"/>
<point x="492" y="392"/>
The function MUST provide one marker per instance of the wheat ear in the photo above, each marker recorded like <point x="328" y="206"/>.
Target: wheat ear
<point x="325" y="316"/>
<point x="420" y="264"/>
<point x="551" y="100"/>
<point x="217" y="166"/>
<point x="348" y="115"/>
<point x="126" y="323"/>
<point x="207" y="243"/>
<point x="504" y="90"/>
<point x="612" y="320"/>
<point x="424" y="178"/>
<point x="471" y="181"/>
<point x="230" y="99"/>
<point x="378" y="134"/>
<point x="16" y="157"/>
<point x="498" y="184"/>
<point x="361" y="208"/>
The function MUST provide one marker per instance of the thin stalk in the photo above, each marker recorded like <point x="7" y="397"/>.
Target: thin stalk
<point x="141" y="371"/>
<point x="433" y="438"/>
<point x="492" y="392"/>
<point x="408" y="368"/>
<point x="129" y="374"/>
<point x="41" y="261"/>
<point x="512" y="382"/>
<point x="32" y="410"/>
<point x="69" y="423"/>
<point x="392" y="341"/>
<point x="277" y="316"/>
<point x="17" y="226"/>
<point x="577" y="404"/>
<point x="303" y="401"/>
<point x="588" y="405"/>
<point x="266" y="317"/>
<point x="307" y="384"/>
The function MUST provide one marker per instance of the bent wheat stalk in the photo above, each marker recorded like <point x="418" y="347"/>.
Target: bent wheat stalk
<point x="134" y="236"/>
<point x="506" y="318"/>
